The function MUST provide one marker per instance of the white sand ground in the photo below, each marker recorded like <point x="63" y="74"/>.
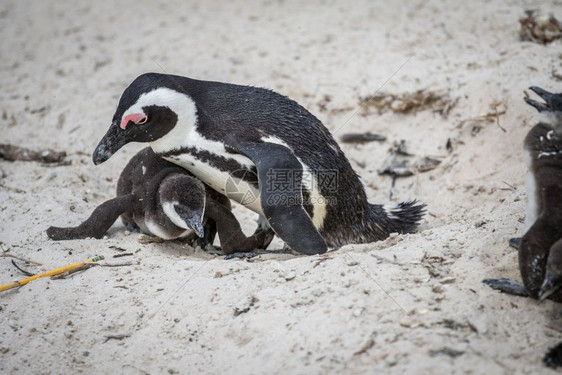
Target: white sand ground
<point x="373" y="308"/>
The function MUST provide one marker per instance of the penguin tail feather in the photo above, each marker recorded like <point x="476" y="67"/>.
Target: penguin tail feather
<point x="406" y="216"/>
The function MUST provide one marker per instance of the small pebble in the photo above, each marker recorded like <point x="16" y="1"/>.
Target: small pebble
<point x="448" y="280"/>
<point x="317" y="292"/>
<point x="391" y="362"/>
<point x="290" y="276"/>
<point x="437" y="289"/>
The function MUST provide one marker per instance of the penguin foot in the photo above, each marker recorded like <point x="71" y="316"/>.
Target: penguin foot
<point x="132" y="227"/>
<point x="202" y="242"/>
<point x="213" y="250"/>
<point x="507" y="286"/>
<point x="515" y="242"/>
<point x="263" y="238"/>
<point x="553" y="358"/>
<point x="253" y="254"/>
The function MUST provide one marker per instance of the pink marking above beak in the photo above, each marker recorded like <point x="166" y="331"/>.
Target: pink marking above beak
<point x="137" y="118"/>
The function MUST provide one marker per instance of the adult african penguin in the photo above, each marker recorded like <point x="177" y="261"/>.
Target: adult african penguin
<point x="270" y="146"/>
<point x="165" y="200"/>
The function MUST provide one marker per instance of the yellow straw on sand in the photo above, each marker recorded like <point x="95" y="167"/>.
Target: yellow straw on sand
<point x="56" y="271"/>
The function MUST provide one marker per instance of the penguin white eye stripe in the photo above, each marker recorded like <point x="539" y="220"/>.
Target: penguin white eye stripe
<point x="137" y="118"/>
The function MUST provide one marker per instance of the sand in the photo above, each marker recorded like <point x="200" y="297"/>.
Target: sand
<point x="411" y="304"/>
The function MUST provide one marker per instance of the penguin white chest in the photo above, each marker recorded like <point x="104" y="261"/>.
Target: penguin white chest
<point x="152" y="228"/>
<point x="186" y="136"/>
<point x="531" y="213"/>
<point x="221" y="181"/>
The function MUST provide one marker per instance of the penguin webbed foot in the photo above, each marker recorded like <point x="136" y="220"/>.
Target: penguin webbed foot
<point x="515" y="242"/>
<point x="507" y="286"/>
<point x="214" y="250"/>
<point x="241" y="244"/>
<point x="132" y="227"/>
<point x="253" y="254"/>
<point x="553" y="357"/>
<point x="268" y="233"/>
<point x="201" y="242"/>
<point x="263" y="237"/>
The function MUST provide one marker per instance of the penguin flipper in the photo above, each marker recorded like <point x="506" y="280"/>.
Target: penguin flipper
<point x="253" y="254"/>
<point x="283" y="208"/>
<point x="98" y="223"/>
<point x="507" y="286"/>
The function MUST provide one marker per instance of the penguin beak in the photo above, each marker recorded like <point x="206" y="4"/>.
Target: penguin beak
<point x="193" y="219"/>
<point x="548" y="98"/>
<point x="112" y="141"/>
<point x="196" y="223"/>
<point x="549" y="286"/>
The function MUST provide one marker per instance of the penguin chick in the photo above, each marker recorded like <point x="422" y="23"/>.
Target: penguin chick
<point x="264" y="145"/>
<point x="166" y="201"/>
<point x="543" y="221"/>
<point x="540" y="249"/>
<point x="541" y="147"/>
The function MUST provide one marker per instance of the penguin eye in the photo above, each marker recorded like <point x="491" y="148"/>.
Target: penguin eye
<point x="135" y="118"/>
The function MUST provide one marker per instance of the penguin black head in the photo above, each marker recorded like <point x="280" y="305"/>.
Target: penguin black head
<point x="183" y="200"/>
<point x="148" y="109"/>
<point x="552" y="102"/>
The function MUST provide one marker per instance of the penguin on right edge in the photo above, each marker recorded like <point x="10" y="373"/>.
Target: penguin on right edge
<point x="540" y="249"/>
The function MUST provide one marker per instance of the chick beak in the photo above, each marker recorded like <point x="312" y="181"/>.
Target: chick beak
<point x="548" y="287"/>
<point x="196" y="223"/>
<point x="543" y="94"/>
